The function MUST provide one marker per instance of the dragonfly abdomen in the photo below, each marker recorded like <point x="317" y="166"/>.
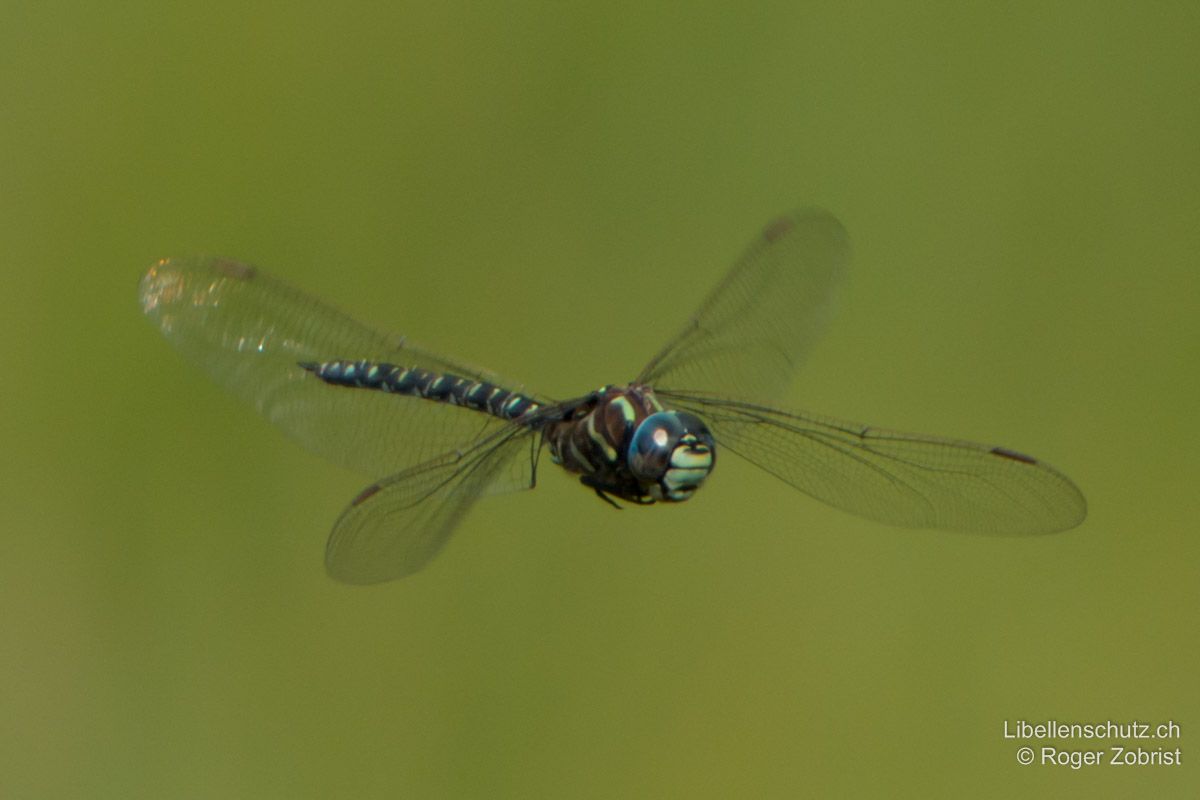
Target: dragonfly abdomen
<point x="416" y="382"/>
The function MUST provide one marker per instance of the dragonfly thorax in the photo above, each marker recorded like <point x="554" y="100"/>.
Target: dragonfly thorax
<point x="622" y="442"/>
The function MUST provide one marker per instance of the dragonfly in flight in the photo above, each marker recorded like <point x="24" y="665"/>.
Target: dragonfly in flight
<point x="437" y="435"/>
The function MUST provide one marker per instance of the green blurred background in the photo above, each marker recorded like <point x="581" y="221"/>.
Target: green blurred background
<point x="548" y="190"/>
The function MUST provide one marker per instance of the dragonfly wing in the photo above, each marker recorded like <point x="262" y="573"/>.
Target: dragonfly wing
<point x="249" y="332"/>
<point x="394" y="527"/>
<point x="754" y="328"/>
<point x="898" y="478"/>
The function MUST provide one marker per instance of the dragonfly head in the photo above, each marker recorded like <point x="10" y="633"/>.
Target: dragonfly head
<point x="671" y="453"/>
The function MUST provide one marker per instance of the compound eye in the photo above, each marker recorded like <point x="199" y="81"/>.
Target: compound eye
<point x="652" y="443"/>
<point x="671" y="453"/>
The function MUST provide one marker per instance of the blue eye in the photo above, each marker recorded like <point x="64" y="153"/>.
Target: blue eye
<point x="671" y="453"/>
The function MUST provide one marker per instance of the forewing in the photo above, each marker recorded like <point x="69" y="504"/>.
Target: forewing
<point x="249" y="332"/>
<point x="893" y="477"/>
<point x="396" y="526"/>
<point x="754" y="328"/>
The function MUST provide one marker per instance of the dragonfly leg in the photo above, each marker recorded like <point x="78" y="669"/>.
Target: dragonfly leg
<point x="599" y="490"/>
<point x="600" y="493"/>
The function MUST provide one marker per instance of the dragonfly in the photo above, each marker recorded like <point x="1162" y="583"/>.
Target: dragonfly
<point x="437" y="435"/>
